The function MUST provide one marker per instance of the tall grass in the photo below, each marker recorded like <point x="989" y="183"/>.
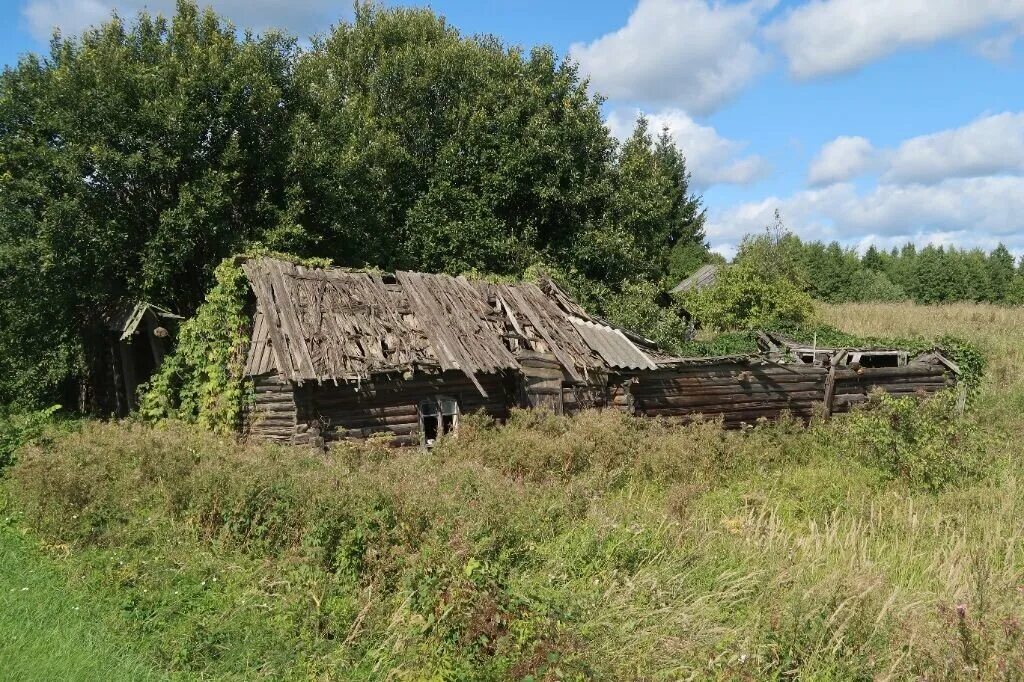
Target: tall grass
<point x="597" y="546"/>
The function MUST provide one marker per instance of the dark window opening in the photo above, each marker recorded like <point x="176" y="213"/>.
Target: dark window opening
<point x="887" y="360"/>
<point x="438" y="417"/>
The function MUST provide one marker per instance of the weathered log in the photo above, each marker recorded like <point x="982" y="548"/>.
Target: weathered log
<point x="730" y="389"/>
<point x="726" y="400"/>
<point x="887" y="372"/>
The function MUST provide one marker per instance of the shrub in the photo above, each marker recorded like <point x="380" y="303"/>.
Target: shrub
<point x="927" y="443"/>
<point x="744" y="297"/>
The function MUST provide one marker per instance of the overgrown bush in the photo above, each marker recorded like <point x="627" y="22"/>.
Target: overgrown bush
<point x="927" y="443"/>
<point x="745" y="297"/>
<point x="18" y="428"/>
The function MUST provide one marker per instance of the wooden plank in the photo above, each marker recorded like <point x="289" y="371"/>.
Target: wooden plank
<point x="263" y="293"/>
<point x="289" y="319"/>
<point x="541" y="327"/>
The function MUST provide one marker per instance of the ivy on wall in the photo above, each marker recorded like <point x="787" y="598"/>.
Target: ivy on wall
<point x="202" y="381"/>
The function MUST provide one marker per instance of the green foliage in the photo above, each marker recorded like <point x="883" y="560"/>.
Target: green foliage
<point x="927" y="443"/>
<point x="132" y="160"/>
<point x="18" y="429"/>
<point x="874" y="286"/>
<point x="636" y="307"/>
<point x="1015" y="290"/>
<point x="202" y="380"/>
<point x="136" y="157"/>
<point x="745" y="297"/>
<point x="568" y="547"/>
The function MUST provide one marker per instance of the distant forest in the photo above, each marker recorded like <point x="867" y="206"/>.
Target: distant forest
<point x="933" y="274"/>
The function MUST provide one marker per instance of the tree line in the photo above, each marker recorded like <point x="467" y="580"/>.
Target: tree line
<point x="135" y="157"/>
<point x="932" y="274"/>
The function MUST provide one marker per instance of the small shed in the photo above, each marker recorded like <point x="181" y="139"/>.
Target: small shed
<point x="139" y="336"/>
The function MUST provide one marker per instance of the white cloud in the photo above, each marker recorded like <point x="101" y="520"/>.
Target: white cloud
<point x="963" y="211"/>
<point x="832" y="36"/>
<point x="685" y="53"/>
<point x="998" y="48"/>
<point x="300" y="17"/>
<point x="842" y="159"/>
<point x="710" y="158"/>
<point x="986" y="146"/>
<point x="989" y="145"/>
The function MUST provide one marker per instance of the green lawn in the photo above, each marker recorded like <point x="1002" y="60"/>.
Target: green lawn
<point x="48" y="632"/>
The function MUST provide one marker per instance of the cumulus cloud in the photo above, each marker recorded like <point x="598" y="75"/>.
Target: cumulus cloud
<point x="825" y="37"/>
<point x="986" y="146"/>
<point x="842" y="159"/>
<point x="71" y="17"/>
<point x="686" y="53"/>
<point x="710" y="158"/>
<point x="989" y="145"/>
<point x="962" y="211"/>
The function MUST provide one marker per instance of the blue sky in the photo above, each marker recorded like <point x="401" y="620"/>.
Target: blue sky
<point x="880" y="121"/>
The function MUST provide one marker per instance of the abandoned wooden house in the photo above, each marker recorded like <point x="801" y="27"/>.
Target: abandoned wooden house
<point x="340" y="354"/>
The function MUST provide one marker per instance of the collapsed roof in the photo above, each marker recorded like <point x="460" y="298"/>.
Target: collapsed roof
<point x="334" y="324"/>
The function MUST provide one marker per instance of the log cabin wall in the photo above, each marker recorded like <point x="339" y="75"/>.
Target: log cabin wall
<point x="738" y="392"/>
<point x="272" y="415"/>
<point x="852" y="386"/>
<point x="357" y="411"/>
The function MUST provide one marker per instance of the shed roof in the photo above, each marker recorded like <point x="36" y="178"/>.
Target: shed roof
<point x="703" y="278"/>
<point x="333" y="324"/>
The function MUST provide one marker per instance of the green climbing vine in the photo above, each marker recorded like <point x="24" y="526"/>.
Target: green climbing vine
<point x="203" y="380"/>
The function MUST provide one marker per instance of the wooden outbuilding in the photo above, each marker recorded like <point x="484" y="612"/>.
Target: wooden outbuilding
<point x="139" y="335"/>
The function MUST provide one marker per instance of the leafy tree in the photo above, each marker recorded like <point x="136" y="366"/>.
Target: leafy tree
<point x="1000" y="272"/>
<point x="973" y="281"/>
<point x="135" y="158"/>
<point x="1015" y="292"/>
<point x="873" y="259"/>
<point x="131" y="161"/>
<point x="776" y="255"/>
<point x="745" y="297"/>
<point x="874" y="286"/>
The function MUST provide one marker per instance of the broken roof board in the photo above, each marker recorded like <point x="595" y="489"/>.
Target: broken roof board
<point x="338" y="325"/>
<point x="703" y="278"/>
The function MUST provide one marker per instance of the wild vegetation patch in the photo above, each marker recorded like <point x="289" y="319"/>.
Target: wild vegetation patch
<point x="553" y="547"/>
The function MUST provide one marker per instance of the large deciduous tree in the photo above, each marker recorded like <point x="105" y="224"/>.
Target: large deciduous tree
<point x="131" y="161"/>
<point x="135" y="157"/>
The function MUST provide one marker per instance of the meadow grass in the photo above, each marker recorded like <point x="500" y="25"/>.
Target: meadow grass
<point x="51" y="632"/>
<point x="592" y="547"/>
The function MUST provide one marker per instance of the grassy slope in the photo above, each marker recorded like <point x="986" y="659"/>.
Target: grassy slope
<point x="49" y="632"/>
<point x="594" y="547"/>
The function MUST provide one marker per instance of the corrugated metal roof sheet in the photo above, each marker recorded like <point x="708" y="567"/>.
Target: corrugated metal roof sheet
<point x="613" y="346"/>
